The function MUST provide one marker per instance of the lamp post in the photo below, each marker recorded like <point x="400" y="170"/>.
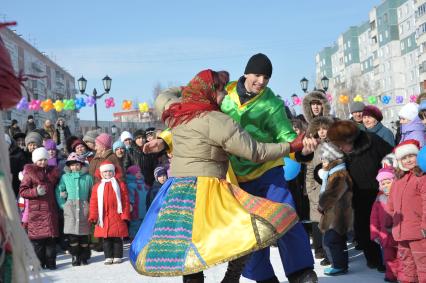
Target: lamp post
<point x="324" y="82"/>
<point x="304" y="84"/>
<point x="82" y="83"/>
<point x="114" y="131"/>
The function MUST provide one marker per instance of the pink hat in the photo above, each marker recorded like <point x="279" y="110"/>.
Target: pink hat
<point x="132" y="170"/>
<point x="105" y="140"/>
<point x="385" y="173"/>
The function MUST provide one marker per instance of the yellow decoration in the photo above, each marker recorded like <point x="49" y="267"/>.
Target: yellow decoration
<point x="358" y="98"/>
<point x="59" y="105"/>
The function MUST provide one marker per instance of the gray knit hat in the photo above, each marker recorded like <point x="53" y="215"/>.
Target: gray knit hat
<point x="91" y="136"/>
<point x="356" y="107"/>
<point x="34" y="137"/>
<point x="330" y="152"/>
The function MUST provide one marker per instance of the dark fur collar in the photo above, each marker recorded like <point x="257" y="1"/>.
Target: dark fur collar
<point x="362" y="143"/>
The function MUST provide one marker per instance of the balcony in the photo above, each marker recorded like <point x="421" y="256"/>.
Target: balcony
<point x="38" y="67"/>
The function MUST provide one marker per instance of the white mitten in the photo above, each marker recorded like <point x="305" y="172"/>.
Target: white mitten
<point x="41" y="191"/>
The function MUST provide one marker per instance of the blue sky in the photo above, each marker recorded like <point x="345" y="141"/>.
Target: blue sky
<point x="142" y="43"/>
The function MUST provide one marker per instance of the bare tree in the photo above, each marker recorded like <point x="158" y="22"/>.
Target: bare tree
<point x="156" y="91"/>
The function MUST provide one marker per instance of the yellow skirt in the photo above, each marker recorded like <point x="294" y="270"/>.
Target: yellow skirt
<point x="197" y="222"/>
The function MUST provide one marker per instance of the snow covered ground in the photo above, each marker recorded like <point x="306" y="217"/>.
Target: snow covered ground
<point x="96" y="271"/>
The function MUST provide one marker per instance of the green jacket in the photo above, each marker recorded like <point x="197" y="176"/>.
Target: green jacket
<point x="78" y="186"/>
<point x="264" y="118"/>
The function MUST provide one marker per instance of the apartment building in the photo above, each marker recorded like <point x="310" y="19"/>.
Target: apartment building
<point x="54" y="82"/>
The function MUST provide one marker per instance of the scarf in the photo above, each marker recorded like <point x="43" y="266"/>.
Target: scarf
<point x="101" y="188"/>
<point x="326" y="174"/>
<point x="198" y="97"/>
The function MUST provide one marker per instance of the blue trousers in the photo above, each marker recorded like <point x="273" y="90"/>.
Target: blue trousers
<point x="336" y="249"/>
<point x="294" y="247"/>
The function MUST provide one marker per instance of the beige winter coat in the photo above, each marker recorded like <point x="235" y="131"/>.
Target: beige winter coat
<point x="201" y="146"/>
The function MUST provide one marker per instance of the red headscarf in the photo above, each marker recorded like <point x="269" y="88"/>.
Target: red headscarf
<point x="198" y="97"/>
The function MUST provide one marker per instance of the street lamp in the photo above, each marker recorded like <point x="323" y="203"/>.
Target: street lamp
<point x="114" y="131"/>
<point x="304" y="84"/>
<point x="324" y="82"/>
<point x="82" y="83"/>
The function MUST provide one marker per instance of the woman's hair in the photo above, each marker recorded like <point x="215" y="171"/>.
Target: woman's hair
<point x="422" y="114"/>
<point x="399" y="173"/>
<point x="299" y="124"/>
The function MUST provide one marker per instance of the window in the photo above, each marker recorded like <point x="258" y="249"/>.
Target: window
<point x="402" y="45"/>
<point x="385" y="17"/>
<point x="346" y="59"/>
<point x="349" y="44"/>
<point x="409" y="42"/>
<point x="380" y="38"/>
<point x="386" y="34"/>
<point x="350" y="57"/>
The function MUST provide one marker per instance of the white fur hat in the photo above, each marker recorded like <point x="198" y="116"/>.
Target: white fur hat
<point x="106" y="166"/>
<point x="409" y="111"/>
<point x="125" y="135"/>
<point x="39" y="154"/>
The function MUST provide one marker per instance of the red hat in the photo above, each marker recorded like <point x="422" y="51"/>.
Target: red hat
<point x="106" y="166"/>
<point x="373" y="111"/>
<point x="406" y="147"/>
<point x="76" y="143"/>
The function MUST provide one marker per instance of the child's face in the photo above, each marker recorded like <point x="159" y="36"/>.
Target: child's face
<point x="325" y="163"/>
<point x="75" y="167"/>
<point x="41" y="163"/>
<point x="107" y="174"/>
<point x="80" y="149"/>
<point x="404" y="121"/>
<point x="409" y="161"/>
<point x="162" y="179"/>
<point x="52" y="153"/>
<point x="138" y="175"/>
<point x="385" y="186"/>
<point x="322" y="133"/>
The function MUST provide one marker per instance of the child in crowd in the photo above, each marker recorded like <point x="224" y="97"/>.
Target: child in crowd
<point x="73" y="195"/>
<point x="381" y="224"/>
<point x="318" y="128"/>
<point x="411" y="124"/>
<point x="50" y="146"/>
<point x="407" y="206"/>
<point x="160" y="174"/>
<point x="109" y="210"/>
<point x="336" y="209"/>
<point x="137" y="196"/>
<point x="38" y="186"/>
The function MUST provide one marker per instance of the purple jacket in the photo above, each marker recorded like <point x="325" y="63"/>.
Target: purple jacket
<point x="413" y="130"/>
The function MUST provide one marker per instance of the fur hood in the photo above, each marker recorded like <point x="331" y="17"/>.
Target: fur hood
<point x="314" y="125"/>
<point x="35" y="172"/>
<point x="315" y="95"/>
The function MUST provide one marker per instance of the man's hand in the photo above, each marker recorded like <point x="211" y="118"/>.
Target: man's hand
<point x="154" y="146"/>
<point x="309" y="145"/>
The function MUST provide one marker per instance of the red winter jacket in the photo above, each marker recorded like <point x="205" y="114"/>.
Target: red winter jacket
<point x="43" y="211"/>
<point x="407" y="205"/>
<point x="381" y="223"/>
<point x="114" y="225"/>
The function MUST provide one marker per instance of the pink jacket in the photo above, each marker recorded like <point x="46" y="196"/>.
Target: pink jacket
<point x="407" y="206"/>
<point x="381" y="223"/>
